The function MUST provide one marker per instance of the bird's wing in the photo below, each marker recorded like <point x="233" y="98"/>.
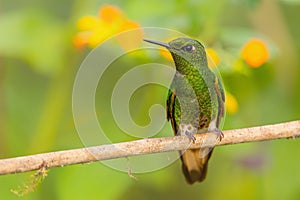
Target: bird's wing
<point x="171" y="109"/>
<point x="221" y="99"/>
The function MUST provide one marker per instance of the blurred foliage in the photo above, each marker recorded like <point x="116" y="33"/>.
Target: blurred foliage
<point x="38" y="64"/>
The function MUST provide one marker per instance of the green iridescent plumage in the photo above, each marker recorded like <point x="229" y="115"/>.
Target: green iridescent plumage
<point x="195" y="102"/>
<point x="195" y="83"/>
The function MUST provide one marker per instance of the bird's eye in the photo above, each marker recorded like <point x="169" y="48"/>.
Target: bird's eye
<point x="188" y="48"/>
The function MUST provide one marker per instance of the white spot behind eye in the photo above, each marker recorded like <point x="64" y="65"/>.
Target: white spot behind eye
<point x="189" y="48"/>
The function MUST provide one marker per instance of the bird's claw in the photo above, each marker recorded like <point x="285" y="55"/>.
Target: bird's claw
<point x="190" y="136"/>
<point x="220" y="134"/>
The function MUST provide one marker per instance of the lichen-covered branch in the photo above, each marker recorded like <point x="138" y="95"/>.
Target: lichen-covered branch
<point x="145" y="146"/>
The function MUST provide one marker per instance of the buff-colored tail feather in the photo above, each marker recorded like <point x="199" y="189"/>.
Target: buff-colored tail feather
<point x="194" y="167"/>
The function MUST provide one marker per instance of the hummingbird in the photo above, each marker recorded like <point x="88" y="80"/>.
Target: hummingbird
<point x="195" y="102"/>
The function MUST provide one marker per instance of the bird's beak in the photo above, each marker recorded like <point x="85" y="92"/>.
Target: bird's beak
<point x="158" y="43"/>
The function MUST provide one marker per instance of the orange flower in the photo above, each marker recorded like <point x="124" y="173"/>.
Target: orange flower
<point x="110" y="14"/>
<point x="81" y="40"/>
<point x="110" y="21"/>
<point x="255" y="52"/>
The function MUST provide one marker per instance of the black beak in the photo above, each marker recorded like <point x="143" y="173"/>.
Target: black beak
<point x="158" y="43"/>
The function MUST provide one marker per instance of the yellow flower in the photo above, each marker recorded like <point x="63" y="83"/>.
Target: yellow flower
<point x="255" y="52"/>
<point x="213" y="58"/>
<point x="110" y="21"/>
<point x="165" y="53"/>
<point x="130" y="40"/>
<point x="231" y="103"/>
<point x="88" y="22"/>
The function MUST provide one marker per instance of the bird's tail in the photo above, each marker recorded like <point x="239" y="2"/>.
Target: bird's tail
<point x="194" y="166"/>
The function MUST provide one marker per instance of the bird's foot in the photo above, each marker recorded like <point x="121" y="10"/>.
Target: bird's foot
<point x="191" y="136"/>
<point x="219" y="134"/>
<point x="188" y="130"/>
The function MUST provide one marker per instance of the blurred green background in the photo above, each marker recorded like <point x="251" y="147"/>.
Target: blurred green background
<point x="38" y="64"/>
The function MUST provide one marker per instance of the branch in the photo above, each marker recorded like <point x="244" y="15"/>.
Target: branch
<point x="145" y="146"/>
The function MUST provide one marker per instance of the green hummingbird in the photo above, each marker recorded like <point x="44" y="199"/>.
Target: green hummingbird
<point x="195" y="102"/>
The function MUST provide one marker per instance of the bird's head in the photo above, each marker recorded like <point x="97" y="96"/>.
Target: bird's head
<point x="185" y="52"/>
